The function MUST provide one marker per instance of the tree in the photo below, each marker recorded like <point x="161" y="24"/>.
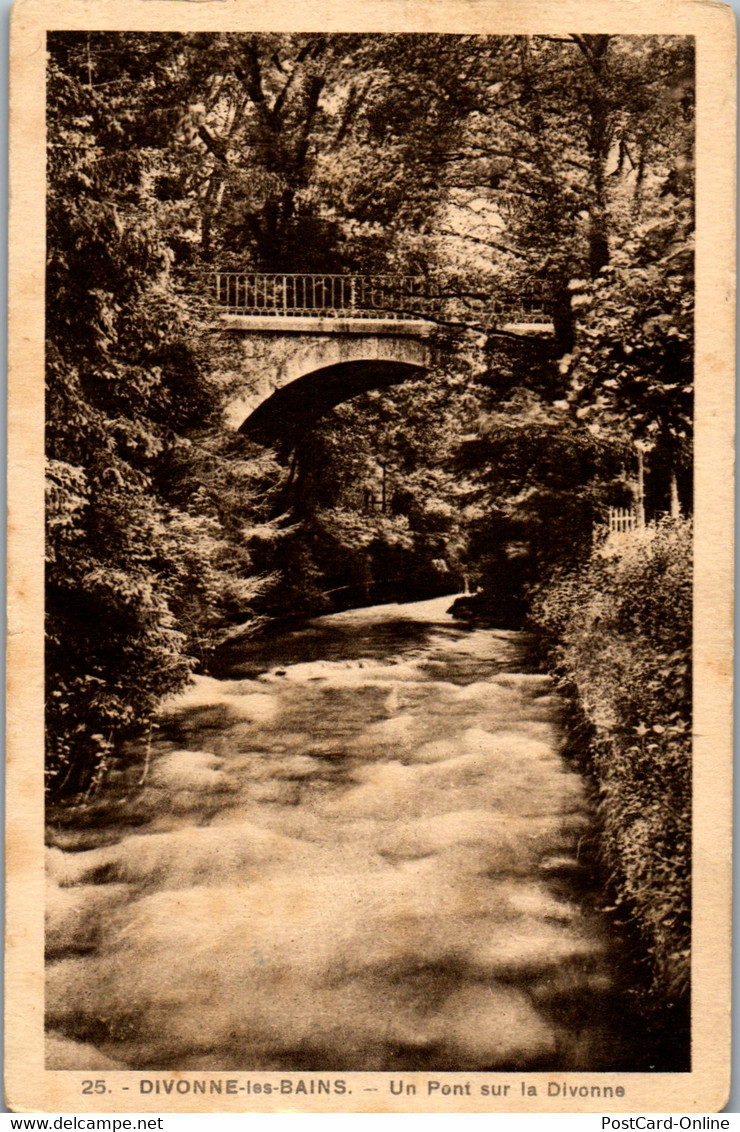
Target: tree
<point x="564" y="153"/>
<point x="538" y="483"/>
<point x="133" y="547"/>
<point x="631" y="373"/>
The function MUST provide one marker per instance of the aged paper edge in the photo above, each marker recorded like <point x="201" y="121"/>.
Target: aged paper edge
<point x="29" y="1087"/>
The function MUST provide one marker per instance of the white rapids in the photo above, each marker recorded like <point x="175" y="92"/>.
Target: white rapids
<point x="366" y="853"/>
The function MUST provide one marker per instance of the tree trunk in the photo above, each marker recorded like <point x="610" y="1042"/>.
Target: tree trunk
<point x="563" y="320"/>
<point x="640" y="489"/>
<point x="594" y="49"/>
<point x="675" y="502"/>
<point x="598" y="256"/>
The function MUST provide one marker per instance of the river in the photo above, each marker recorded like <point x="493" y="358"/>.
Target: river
<point x="362" y="851"/>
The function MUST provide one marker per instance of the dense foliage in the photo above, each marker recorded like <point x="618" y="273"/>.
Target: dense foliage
<point x="621" y="635"/>
<point x="631" y="373"/>
<point x="361" y="521"/>
<point x="143" y="502"/>
<point x="540" y="483"/>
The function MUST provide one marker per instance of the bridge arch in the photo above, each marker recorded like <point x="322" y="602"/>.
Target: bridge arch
<point x="297" y="406"/>
<point x="293" y="375"/>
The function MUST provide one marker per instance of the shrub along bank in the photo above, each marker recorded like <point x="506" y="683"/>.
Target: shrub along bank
<point x="620" y="632"/>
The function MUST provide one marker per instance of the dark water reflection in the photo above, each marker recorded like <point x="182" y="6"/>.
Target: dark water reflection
<point x="378" y="632"/>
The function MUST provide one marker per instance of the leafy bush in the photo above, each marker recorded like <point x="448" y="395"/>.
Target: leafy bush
<point x="621" y="633"/>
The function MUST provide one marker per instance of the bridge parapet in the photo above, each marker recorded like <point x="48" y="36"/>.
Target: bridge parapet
<point x="353" y="298"/>
<point x="323" y="296"/>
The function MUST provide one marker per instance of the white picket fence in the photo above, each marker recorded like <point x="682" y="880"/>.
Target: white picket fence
<point x="621" y="520"/>
<point x="618" y="530"/>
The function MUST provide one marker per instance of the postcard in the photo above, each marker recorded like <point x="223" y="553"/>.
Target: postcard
<point x="370" y="556"/>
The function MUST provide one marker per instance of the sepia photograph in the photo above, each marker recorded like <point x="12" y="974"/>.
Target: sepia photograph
<point x="369" y="583"/>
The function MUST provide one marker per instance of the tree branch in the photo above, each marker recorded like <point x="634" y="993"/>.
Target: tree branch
<point x="213" y="144"/>
<point x="297" y="69"/>
<point x="486" y="243"/>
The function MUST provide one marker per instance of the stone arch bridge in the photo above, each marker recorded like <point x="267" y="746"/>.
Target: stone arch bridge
<point x="308" y="342"/>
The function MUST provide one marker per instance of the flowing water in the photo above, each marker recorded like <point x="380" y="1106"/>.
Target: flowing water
<point x="363" y="851"/>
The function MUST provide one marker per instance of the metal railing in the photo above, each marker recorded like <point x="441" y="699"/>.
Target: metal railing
<point x="355" y="296"/>
<point x="523" y="308"/>
<point x="358" y="296"/>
